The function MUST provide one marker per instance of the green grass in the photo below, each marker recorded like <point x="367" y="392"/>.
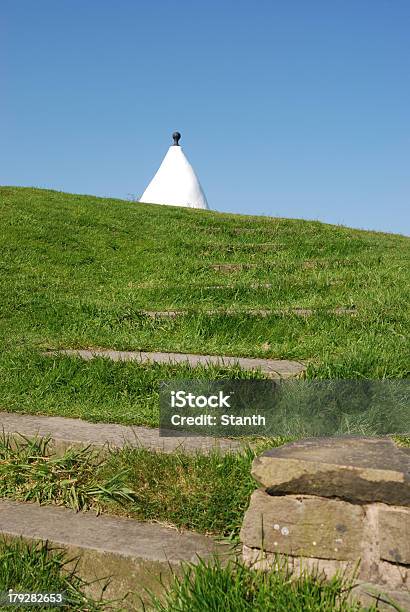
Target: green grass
<point x="28" y="472"/>
<point x="39" y="568"/>
<point x="204" y="493"/>
<point x="97" y="390"/>
<point x="209" y="587"/>
<point x="206" y="587"/>
<point x="76" y="271"/>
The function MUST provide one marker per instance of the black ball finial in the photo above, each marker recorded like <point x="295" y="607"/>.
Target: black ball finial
<point x="176" y="136"/>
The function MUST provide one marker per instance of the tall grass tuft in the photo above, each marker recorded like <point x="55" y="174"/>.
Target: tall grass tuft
<point x="210" y="587"/>
<point x="28" y="472"/>
<point x="40" y="568"/>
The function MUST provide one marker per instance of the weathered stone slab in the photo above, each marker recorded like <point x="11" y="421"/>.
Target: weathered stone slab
<point x="272" y="368"/>
<point x="394" y="535"/>
<point x="135" y="554"/>
<point x="354" y="469"/>
<point x="65" y="432"/>
<point x="261" y="312"/>
<point x="305" y="526"/>
<point x="232" y="267"/>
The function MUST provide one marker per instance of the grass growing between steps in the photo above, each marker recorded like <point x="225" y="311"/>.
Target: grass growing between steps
<point x="123" y="392"/>
<point x="204" y="493"/>
<point x="208" y="494"/>
<point x="208" y="587"/>
<point x="38" y="568"/>
<point x="28" y="472"/>
<point x="96" y="390"/>
<point x="77" y="271"/>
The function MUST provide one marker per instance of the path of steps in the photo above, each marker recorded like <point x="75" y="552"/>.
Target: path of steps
<point x="65" y="432"/>
<point x="272" y="368"/>
<point x="135" y="554"/>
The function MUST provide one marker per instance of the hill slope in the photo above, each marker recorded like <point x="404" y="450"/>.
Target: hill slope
<point x="77" y="271"/>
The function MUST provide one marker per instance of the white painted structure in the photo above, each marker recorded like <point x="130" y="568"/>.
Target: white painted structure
<point x="175" y="182"/>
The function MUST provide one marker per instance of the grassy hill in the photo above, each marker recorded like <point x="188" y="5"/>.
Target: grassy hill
<point x="78" y="271"/>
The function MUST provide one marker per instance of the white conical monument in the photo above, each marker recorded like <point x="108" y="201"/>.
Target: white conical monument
<point x="175" y="182"/>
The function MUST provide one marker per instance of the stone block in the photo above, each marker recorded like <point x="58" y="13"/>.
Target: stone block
<point x="359" y="470"/>
<point x="301" y="525"/>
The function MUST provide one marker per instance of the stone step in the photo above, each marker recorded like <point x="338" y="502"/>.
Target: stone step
<point x="300" y="312"/>
<point x="135" y="554"/>
<point x="233" y="267"/>
<point x="272" y="368"/>
<point x="149" y="285"/>
<point x="65" y="432"/>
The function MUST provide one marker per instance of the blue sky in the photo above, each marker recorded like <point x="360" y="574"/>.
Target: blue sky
<point x="286" y="108"/>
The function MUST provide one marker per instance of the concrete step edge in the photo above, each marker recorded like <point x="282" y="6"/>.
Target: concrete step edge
<point x="65" y="432"/>
<point x="133" y="554"/>
<point x="272" y="368"/>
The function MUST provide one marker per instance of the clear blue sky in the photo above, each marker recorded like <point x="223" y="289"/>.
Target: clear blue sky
<point x="288" y="108"/>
